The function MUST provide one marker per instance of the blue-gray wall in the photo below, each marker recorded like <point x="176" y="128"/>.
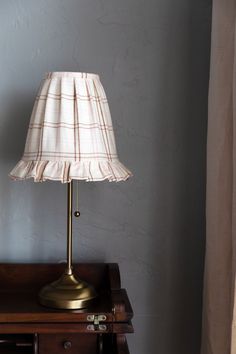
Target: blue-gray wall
<point x="153" y="59"/>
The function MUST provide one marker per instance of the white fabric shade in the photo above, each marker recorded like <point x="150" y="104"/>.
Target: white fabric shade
<point x="70" y="135"/>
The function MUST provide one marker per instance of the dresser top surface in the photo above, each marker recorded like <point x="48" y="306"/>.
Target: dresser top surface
<point x="20" y="284"/>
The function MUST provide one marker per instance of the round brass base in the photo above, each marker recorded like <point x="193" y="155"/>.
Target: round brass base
<point x="67" y="293"/>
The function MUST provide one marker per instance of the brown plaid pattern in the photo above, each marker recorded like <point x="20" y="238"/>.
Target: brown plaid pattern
<point x="70" y="134"/>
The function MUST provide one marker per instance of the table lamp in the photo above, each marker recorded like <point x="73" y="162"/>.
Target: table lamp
<point x="70" y="137"/>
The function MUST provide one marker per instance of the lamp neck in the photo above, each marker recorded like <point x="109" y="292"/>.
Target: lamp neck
<point x="69" y="227"/>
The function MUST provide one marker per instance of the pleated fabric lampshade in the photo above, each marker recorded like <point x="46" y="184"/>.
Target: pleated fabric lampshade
<point x="70" y="134"/>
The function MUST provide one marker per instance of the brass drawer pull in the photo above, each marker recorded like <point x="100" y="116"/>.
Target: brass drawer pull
<point x="100" y="327"/>
<point x="96" y="318"/>
<point x="67" y="344"/>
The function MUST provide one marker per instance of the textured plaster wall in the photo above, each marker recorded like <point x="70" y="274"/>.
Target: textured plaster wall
<point x="153" y="59"/>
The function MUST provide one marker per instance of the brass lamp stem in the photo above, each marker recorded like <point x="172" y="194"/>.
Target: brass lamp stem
<point x="69" y="227"/>
<point x="68" y="292"/>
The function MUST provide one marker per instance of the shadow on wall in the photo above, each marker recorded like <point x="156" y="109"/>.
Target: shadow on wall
<point x="15" y="112"/>
<point x="177" y="209"/>
<point x="14" y="124"/>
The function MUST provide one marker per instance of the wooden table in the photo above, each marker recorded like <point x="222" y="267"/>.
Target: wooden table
<point x="27" y="327"/>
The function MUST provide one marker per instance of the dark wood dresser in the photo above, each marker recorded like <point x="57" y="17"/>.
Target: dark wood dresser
<point x="29" y="328"/>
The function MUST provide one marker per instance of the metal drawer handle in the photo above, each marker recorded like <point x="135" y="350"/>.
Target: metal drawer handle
<point x="67" y="344"/>
<point x="97" y="327"/>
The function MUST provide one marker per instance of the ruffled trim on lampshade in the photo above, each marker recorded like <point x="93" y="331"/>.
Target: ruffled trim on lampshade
<point x="65" y="171"/>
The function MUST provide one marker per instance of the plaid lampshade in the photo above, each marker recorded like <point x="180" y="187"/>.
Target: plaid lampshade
<point x="70" y="134"/>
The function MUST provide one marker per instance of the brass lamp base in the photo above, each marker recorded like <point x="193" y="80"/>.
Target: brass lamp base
<point x="67" y="293"/>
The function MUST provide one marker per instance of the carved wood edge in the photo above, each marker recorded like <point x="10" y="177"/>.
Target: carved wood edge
<point x="114" y="276"/>
<point x="121" y="304"/>
<point x="122" y="346"/>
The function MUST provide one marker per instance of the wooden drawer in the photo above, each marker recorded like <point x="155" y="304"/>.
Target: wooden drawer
<point x="67" y="344"/>
<point x="82" y="344"/>
<point x="64" y="343"/>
